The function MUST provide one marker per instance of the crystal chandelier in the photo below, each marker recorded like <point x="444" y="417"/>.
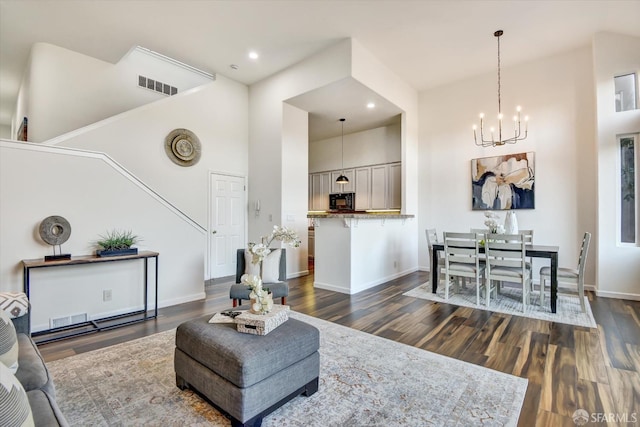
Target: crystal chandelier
<point x="491" y="140"/>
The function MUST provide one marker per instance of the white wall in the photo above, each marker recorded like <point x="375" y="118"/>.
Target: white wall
<point x="68" y="90"/>
<point x="344" y="59"/>
<point x="139" y="61"/>
<point x="268" y="145"/>
<point x="96" y="198"/>
<point x="618" y="272"/>
<point x="295" y="135"/>
<point x="36" y="182"/>
<point x="373" y="74"/>
<point x="557" y="93"/>
<point x="22" y="103"/>
<point x="215" y="112"/>
<point x="370" y="147"/>
<point x="361" y="254"/>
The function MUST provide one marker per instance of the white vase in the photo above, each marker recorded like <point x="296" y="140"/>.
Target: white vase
<point x="262" y="305"/>
<point x="511" y="223"/>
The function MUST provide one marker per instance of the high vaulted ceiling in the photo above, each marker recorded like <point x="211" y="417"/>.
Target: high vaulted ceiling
<point x="427" y="43"/>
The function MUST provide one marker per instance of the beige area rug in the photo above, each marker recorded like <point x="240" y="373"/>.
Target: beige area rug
<point x="364" y="381"/>
<point x="509" y="301"/>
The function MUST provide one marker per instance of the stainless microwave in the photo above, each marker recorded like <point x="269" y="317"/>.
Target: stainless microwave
<point x="342" y="201"/>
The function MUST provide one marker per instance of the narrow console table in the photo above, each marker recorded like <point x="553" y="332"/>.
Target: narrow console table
<point x="104" y="323"/>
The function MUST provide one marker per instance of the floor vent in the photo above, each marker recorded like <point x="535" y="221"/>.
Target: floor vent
<point x="60" y="322"/>
<point x="156" y="86"/>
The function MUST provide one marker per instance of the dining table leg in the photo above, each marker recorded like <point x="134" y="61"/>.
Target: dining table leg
<point x="554" y="281"/>
<point x="434" y="272"/>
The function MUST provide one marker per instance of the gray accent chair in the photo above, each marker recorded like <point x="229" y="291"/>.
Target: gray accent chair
<point x="240" y="291"/>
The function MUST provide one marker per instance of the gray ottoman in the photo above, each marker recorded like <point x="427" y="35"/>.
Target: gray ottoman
<point x="247" y="376"/>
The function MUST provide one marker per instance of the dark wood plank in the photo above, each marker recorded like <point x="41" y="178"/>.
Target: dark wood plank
<point x="566" y="366"/>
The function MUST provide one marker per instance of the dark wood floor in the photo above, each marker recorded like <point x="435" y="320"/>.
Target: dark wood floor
<point x="568" y="367"/>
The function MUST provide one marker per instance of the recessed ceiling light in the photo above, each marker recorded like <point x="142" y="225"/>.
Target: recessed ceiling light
<point x="371" y="105"/>
<point x="253" y="55"/>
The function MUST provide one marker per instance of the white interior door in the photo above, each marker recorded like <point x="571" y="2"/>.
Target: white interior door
<point x="227" y="223"/>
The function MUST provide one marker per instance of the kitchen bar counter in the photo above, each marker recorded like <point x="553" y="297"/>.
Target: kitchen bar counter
<point x="359" y="215"/>
<point x="355" y="251"/>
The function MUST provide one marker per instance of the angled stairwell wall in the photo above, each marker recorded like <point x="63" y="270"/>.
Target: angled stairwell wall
<point x="133" y="186"/>
<point x="63" y="90"/>
<point x="94" y="195"/>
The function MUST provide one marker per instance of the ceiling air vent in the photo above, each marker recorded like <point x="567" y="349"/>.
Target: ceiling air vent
<point x="156" y="86"/>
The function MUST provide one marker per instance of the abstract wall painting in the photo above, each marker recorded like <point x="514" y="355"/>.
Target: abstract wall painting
<point x="503" y="182"/>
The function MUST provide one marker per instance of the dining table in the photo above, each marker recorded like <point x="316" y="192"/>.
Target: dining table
<point x="534" y="251"/>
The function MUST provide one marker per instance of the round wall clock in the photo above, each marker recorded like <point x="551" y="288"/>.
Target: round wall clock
<point x="182" y="147"/>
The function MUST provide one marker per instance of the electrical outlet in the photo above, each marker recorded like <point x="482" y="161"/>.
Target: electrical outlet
<point x="106" y="295"/>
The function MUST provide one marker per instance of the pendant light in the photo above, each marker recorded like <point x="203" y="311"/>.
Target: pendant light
<point x="342" y="179"/>
<point x="492" y="141"/>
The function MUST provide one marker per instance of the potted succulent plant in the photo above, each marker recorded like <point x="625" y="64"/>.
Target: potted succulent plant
<point x="117" y="242"/>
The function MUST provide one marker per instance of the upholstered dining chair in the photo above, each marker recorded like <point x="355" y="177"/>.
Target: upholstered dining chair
<point x="571" y="276"/>
<point x="462" y="259"/>
<point x="505" y="256"/>
<point x="432" y="237"/>
<point x="279" y="289"/>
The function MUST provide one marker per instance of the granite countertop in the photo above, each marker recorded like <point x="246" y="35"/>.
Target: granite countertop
<point x="359" y="215"/>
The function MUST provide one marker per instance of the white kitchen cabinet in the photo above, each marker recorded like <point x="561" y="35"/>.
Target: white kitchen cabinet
<point x="319" y="189"/>
<point x="342" y="188"/>
<point x="312" y="242"/>
<point x="363" y="188"/>
<point x="379" y="186"/>
<point x="394" y="186"/>
<point x="376" y="187"/>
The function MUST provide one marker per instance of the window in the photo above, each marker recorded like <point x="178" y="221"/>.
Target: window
<point x="626" y="92"/>
<point x="628" y="188"/>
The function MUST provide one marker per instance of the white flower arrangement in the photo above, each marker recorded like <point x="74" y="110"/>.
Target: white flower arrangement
<point x="492" y="223"/>
<point x="283" y="234"/>
<point x="263" y="304"/>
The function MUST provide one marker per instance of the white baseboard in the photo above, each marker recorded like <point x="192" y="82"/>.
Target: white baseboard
<point x="618" y="295"/>
<point x="104" y="314"/>
<point x="182" y="299"/>
<point x="298" y="274"/>
<point x="382" y="280"/>
<point x="329" y="287"/>
<point x="362" y="287"/>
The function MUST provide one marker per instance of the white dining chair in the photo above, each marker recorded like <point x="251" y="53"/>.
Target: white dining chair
<point x="528" y="240"/>
<point x="432" y="237"/>
<point x="570" y="276"/>
<point x="505" y="258"/>
<point x="482" y="231"/>
<point x="462" y="260"/>
<point x="528" y="236"/>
